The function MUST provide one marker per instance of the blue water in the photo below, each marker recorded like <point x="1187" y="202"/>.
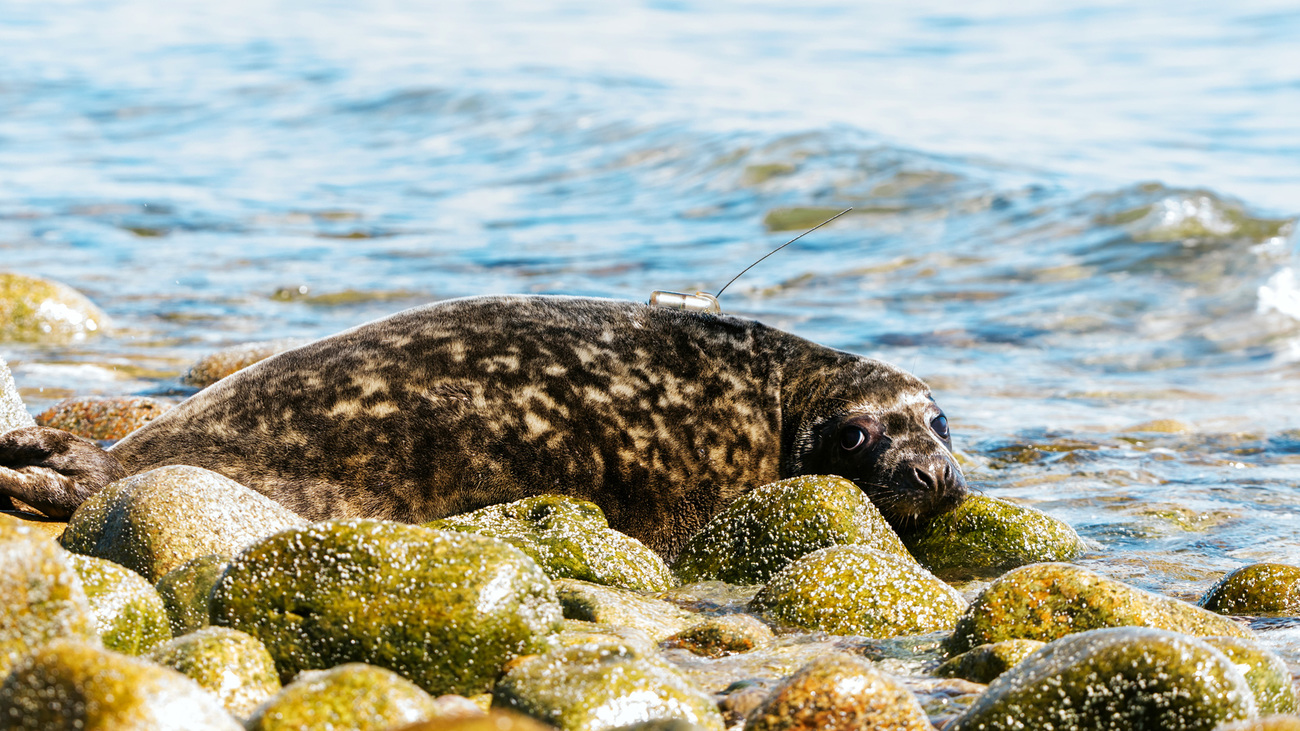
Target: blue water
<point x="1073" y="220"/>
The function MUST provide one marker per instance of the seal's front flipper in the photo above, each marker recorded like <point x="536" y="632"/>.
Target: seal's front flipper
<point x="52" y="470"/>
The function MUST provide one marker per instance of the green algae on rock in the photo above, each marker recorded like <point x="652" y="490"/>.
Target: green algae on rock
<point x="353" y="696"/>
<point x="447" y="610"/>
<point x="51" y="528"/>
<point x="102" y="418"/>
<point x="986" y="662"/>
<point x="720" y="636"/>
<point x="570" y="539"/>
<point x="231" y="665"/>
<point x="580" y="632"/>
<point x="984" y="536"/>
<point x="770" y="527"/>
<point x="70" y="686"/>
<point x="187" y="589"/>
<point x="13" y="414"/>
<point x="36" y="310"/>
<point x="216" y="366"/>
<point x="129" y="614"/>
<point x="612" y="606"/>
<point x="856" y="590"/>
<point x="1047" y="601"/>
<point x="1262" y="589"/>
<point x="1115" y="679"/>
<point x="839" y="692"/>
<point x="602" y="686"/>
<point x="41" y="594"/>
<point x="1265" y="672"/>
<point x="157" y="520"/>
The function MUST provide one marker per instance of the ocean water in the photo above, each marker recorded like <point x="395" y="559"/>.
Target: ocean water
<point x="1077" y="222"/>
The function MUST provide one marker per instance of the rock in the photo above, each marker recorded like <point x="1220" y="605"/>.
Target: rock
<point x="767" y="529"/>
<point x="13" y="414"/>
<point x="447" y="610"/>
<point x="1268" y="723"/>
<point x="856" y="590"/>
<point x="606" y="605"/>
<point x="985" y="536"/>
<point x="1267" y="674"/>
<point x="569" y="539"/>
<point x="839" y="691"/>
<point x="51" y="528"/>
<point x="1262" y="589"/>
<point x="496" y="720"/>
<point x="67" y="686"/>
<point x="35" y="310"/>
<point x="186" y="591"/>
<point x="720" y="636"/>
<point x="157" y="520"/>
<point x="1050" y="600"/>
<point x="216" y="366"/>
<point x="578" y="632"/>
<point x="1115" y="679"/>
<point x="102" y="418"/>
<point x="354" y="696"/>
<point x="41" y="594"/>
<point x="129" y="614"/>
<point x="602" y="686"/>
<point x="232" y="666"/>
<point x="986" y="662"/>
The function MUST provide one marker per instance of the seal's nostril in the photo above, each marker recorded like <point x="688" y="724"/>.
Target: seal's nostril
<point x="924" y="479"/>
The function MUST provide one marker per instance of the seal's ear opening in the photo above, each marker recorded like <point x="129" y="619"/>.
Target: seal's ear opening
<point x="51" y="470"/>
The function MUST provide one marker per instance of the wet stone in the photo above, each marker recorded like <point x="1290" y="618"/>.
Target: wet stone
<point x="1262" y="589"/>
<point x="157" y="520"/>
<point x="1266" y="673"/>
<point x="69" y="686"/>
<point x="187" y="589"/>
<point x="602" y="686"/>
<point x="985" y="536"/>
<point x="986" y="662"/>
<point x="589" y="602"/>
<point x="354" y="696"/>
<point x="1050" y="600"/>
<point x="768" y="528"/>
<point x="839" y="691"/>
<point x="856" y="590"/>
<point x="13" y="414"/>
<point x="36" y="310"/>
<point x="447" y="610"/>
<point x="129" y="614"/>
<point x="494" y="720"/>
<point x="720" y="636"/>
<point x="1115" y="679"/>
<point x="216" y="366"/>
<point x="51" y="528"/>
<point x="578" y="632"/>
<point x="102" y="418"/>
<point x="569" y="539"/>
<point x="232" y="666"/>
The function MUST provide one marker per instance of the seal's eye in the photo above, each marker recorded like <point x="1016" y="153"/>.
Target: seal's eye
<point x="852" y="438"/>
<point x="940" y="426"/>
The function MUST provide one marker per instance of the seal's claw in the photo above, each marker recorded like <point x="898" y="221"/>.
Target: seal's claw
<point x="51" y="470"/>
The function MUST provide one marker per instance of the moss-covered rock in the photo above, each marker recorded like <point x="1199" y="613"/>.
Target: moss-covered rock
<point x="51" y="528"/>
<point x="36" y="310"/>
<point x="569" y="539"/>
<point x="1115" y="679"/>
<point x="768" y="528"/>
<point x="102" y="417"/>
<point x="839" y="691"/>
<point x="856" y="590"/>
<point x="13" y="414"/>
<point x="986" y="662"/>
<point x="720" y="636"/>
<point x="446" y="610"/>
<point x="602" y="686"/>
<point x="496" y="720"/>
<point x="1262" y="589"/>
<point x="213" y="367"/>
<point x="579" y="632"/>
<point x="1266" y="673"/>
<point x="129" y="614"/>
<point x="229" y="664"/>
<point x="41" y="595"/>
<point x="187" y="589"/>
<point x="608" y="605"/>
<point x="70" y="686"/>
<point x="1051" y="600"/>
<point x="354" y="696"/>
<point x="985" y="536"/>
<point x="157" y="520"/>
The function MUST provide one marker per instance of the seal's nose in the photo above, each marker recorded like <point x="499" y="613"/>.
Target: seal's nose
<point x="939" y="479"/>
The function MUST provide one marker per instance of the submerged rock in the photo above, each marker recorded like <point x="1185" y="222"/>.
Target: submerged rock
<point x="102" y="418"/>
<point x="1266" y="673"/>
<point x="602" y="686"/>
<point x="986" y="662"/>
<point x="720" y="636"/>
<point x="157" y="520"/>
<point x="1050" y="600"/>
<point x="69" y="686"/>
<point x="216" y="366"/>
<point x="985" y="536"/>
<point x="232" y="666"/>
<point x="607" y="605"/>
<point x="129" y="614"/>
<point x="187" y="589"/>
<point x="13" y="414"/>
<point x="768" y="528"/>
<point x="36" y="310"/>
<point x="354" y="696"/>
<point x="1262" y="589"/>
<point x="1116" y="679"/>
<point x="570" y="539"/>
<point x="446" y="610"/>
<point x="856" y="590"/>
<point x="839" y="691"/>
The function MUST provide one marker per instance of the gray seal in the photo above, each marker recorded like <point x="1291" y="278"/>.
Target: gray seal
<point x="661" y="417"/>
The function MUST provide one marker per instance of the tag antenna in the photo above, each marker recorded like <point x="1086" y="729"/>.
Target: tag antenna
<point x="782" y="246"/>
